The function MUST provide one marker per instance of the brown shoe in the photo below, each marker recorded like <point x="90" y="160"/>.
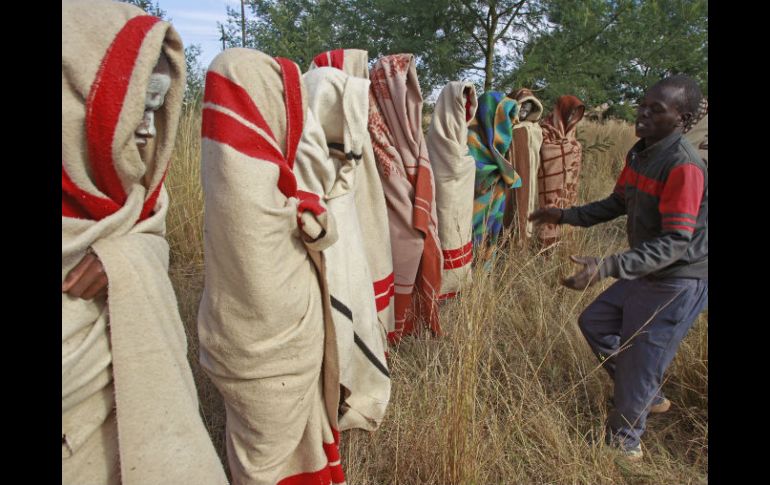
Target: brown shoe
<point x="661" y="407"/>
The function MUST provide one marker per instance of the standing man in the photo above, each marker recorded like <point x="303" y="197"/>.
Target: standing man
<point x="636" y="325"/>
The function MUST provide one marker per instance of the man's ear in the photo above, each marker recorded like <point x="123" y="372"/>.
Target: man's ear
<point x="685" y="119"/>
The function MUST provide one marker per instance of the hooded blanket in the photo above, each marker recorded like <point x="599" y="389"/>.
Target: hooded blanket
<point x="560" y="158"/>
<point x="328" y="163"/>
<point x="395" y="113"/>
<point x="454" y="172"/>
<point x="266" y="334"/>
<point x="525" y="154"/>
<point x="369" y="195"/>
<point x="490" y="135"/>
<point x="127" y="352"/>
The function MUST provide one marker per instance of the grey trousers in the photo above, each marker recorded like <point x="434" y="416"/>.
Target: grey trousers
<point x="635" y="328"/>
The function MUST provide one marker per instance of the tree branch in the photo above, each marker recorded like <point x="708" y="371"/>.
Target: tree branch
<point x="513" y="16"/>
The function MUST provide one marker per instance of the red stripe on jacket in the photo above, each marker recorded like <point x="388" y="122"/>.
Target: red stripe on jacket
<point x="105" y="103"/>
<point x="682" y="194"/>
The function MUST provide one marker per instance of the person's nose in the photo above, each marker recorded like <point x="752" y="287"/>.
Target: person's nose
<point x="147" y="128"/>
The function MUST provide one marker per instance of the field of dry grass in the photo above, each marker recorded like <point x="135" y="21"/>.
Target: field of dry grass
<point x="511" y="394"/>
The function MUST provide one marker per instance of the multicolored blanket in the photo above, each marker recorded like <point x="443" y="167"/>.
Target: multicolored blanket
<point x="489" y="137"/>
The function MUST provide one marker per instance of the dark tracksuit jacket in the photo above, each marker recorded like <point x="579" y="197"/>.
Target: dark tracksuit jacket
<point x="664" y="191"/>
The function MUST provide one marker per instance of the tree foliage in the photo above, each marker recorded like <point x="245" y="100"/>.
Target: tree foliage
<point x="612" y="51"/>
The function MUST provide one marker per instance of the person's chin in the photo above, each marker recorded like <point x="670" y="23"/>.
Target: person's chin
<point x="641" y="130"/>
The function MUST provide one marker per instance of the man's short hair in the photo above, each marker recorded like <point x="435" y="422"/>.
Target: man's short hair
<point x="691" y="93"/>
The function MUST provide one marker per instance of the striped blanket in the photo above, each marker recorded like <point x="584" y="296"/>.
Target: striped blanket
<point x="370" y="197"/>
<point x="395" y="114"/>
<point x="129" y="404"/>
<point x="267" y="337"/>
<point x="560" y="158"/>
<point x="328" y="164"/>
<point x="490" y="134"/>
<point x="454" y="171"/>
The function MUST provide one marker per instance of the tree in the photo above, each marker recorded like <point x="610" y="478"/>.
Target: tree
<point x="612" y="51"/>
<point x="498" y="28"/>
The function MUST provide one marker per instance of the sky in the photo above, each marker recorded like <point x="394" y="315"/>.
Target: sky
<point x="196" y="22"/>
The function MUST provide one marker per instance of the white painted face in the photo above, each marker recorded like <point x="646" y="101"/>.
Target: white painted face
<point x="154" y="99"/>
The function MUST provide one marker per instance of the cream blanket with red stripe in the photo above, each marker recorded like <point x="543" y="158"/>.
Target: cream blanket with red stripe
<point x="454" y="171"/>
<point x="395" y="115"/>
<point x="328" y="163"/>
<point x="370" y="197"/>
<point x="267" y="339"/>
<point x="129" y="352"/>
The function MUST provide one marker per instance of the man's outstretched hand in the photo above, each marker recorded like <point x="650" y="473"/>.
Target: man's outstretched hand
<point x="585" y="277"/>
<point x="551" y="215"/>
<point x="87" y="279"/>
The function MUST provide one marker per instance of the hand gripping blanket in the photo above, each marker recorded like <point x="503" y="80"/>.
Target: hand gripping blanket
<point x="129" y="405"/>
<point x="490" y="134"/>
<point x="454" y="172"/>
<point x="560" y="158"/>
<point x="328" y="163"/>
<point x="369" y="195"/>
<point x="525" y="154"/>
<point x="395" y="113"/>
<point x="266" y="336"/>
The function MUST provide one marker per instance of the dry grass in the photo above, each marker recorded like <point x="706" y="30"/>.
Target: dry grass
<point x="511" y="394"/>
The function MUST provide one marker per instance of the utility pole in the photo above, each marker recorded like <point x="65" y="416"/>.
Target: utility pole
<point x="222" y="28"/>
<point x="243" y="25"/>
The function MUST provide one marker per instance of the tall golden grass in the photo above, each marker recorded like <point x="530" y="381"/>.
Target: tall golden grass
<point x="511" y="394"/>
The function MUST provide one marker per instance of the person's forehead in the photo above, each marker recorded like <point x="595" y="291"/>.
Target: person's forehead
<point x="666" y="95"/>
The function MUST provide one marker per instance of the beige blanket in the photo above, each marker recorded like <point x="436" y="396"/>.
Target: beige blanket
<point x="328" y="164"/>
<point x="370" y="197"/>
<point x="525" y="156"/>
<point x="130" y="351"/>
<point x="454" y="171"/>
<point x="267" y="338"/>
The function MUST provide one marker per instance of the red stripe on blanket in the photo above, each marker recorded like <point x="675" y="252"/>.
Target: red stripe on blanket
<point x="459" y="262"/>
<point x="227" y="94"/>
<point x="382" y="302"/>
<point x="308" y="201"/>
<point x="321" y="477"/>
<point x="322" y="59"/>
<point x="332" y="452"/>
<point x="338" y="58"/>
<point x="338" y="476"/>
<point x="459" y="252"/>
<point x="80" y="204"/>
<point x="149" y="205"/>
<point x="105" y="103"/>
<point x="383" y="284"/>
<point x="225" y="129"/>
<point x="292" y="99"/>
